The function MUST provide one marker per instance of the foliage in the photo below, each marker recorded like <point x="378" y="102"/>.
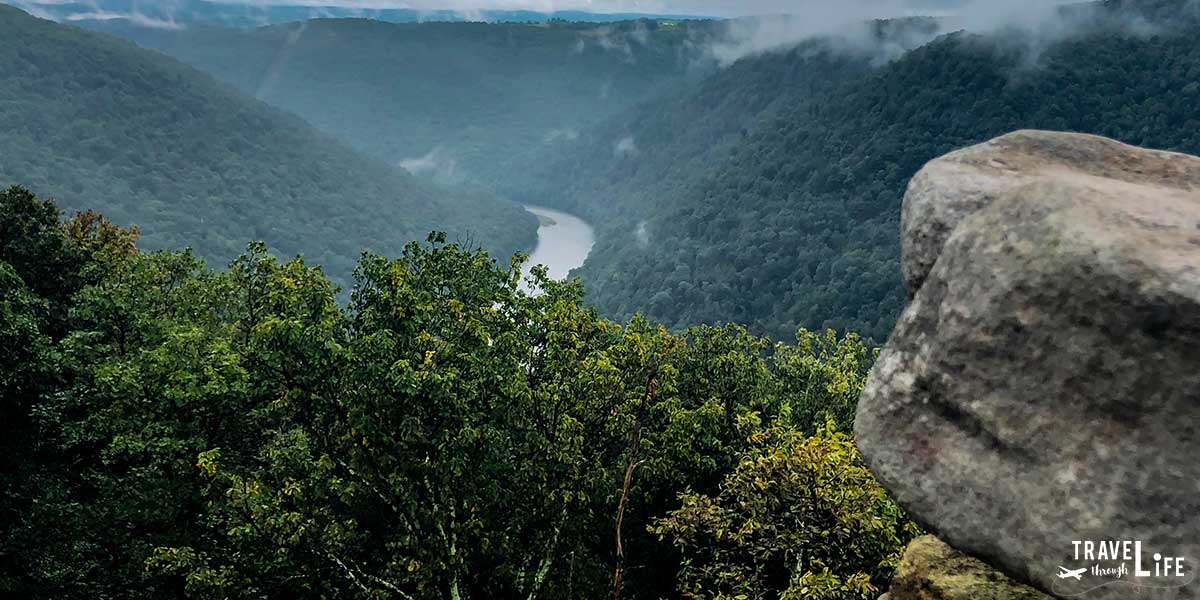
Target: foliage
<point x="98" y="123"/>
<point x="822" y="377"/>
<point x="186" y="432"/>
<point x="800" y="518"/>
<point x="769" y="193"/>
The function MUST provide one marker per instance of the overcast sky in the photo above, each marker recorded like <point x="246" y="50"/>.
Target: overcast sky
<point x="723" y="8"/>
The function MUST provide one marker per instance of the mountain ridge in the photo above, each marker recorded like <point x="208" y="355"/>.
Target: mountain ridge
<point x="98" y="122"/>
<point x="453" y="101"/>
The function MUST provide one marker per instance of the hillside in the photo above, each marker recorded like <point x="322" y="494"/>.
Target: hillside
<point x="97" y="122"/>
<point x="457" y="101"/>
<point x="626" y="164"/>
<point x="675" y="137"/>
<point x="796" y="225"/>
<point x="338" y="413"/>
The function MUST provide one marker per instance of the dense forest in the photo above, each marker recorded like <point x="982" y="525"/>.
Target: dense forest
<point x="461" y="102"/>
<point x="383" y="418"/>
<point x="176" y="431"/>
<point x="765" y="192"/>
<point x="97" y="122"/>
<point x="787" y="213"/>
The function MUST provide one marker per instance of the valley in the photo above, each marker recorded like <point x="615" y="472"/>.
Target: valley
<point x="710" y="183"/>
<point x="798" y="306"/>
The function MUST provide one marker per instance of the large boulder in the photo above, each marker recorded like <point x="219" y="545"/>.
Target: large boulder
<point x="956" y="186"/>
<point x="932" y="570"/>
<point x="1043" y="386"/>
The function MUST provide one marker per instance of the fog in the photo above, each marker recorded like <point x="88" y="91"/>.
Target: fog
<point x="438" y="164"/>
<point x="758" y="26"/>
<point x="819" y="15"/>
<point x="848" y="25"/>
<point x="714" y="8"/>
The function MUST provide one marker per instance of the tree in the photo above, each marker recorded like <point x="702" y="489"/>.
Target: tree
<point x="822" y="377"/>
<point x="801" y="518"/>
<point x="33" y="245"/>
<point x="187" y="432"/>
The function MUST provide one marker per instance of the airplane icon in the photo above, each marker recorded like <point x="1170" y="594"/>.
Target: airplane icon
<point x="1077" y="575"/>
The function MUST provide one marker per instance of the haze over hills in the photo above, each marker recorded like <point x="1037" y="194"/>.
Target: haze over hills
<point x="178" y="14"/>
<point x="765" y="191"/>
<point x="99" y="123"/>
<point x="788" y="214"/>
<point x="455" y="101"/>
<point x="178" y="425"/>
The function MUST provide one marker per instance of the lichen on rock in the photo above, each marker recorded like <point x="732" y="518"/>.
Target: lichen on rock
<point x="932" y="570"/>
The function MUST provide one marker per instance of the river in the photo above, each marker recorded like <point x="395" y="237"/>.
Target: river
<point x="564" y="242"/>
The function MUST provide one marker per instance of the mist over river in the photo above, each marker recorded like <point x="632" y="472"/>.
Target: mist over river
<point x="564" y="242"/>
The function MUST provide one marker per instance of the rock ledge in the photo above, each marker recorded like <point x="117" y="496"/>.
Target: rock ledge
<point x="1043" y="386"/>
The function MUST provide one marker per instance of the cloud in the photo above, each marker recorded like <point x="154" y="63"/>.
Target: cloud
<point x="716" y="8"/>
<point x="626" y="146"/>
<point x="161" y="15"/>
<point x="565" y="134"/>
<point x="848" y="25"/>
<point x="642" y="234"/>
<point x="136" y="18"/>
<point x="819" y="13"/>
<point x="438" y="164"/>
<point x="280" y="62"/>
<point x="608" y="39"/>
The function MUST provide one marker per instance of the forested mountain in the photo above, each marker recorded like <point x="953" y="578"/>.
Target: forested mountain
<point x="173" y="431"/>
<point x="97" y="122"/>
<point x="794" y="222"/>
<point x="459" y="101"/>
<point x="766" y="192"/>
<point x="624" y="166"/>
<point x="234" y="428"/>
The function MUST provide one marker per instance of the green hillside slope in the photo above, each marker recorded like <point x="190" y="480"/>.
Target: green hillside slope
<point x="797" y="225"/>
<point x="674" y="137"/>
<point x="97" y="122"/>
<point x="458" y="101"/>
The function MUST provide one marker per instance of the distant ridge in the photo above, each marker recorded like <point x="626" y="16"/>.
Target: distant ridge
<point x="453" y="101"/>
<point x="97" y="122"/>
<point x="201" y="12"/>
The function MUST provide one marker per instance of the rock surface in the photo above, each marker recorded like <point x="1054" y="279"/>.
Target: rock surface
<point x="931" y="570"/>
<point x="1043" y="386"/>
<point x="952" y="188"/>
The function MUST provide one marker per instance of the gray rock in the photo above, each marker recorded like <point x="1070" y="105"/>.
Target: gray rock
<point x="1043" y="385"/>
<point x="957" y="185"/>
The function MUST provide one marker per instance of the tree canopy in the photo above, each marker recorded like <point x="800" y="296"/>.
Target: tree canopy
<point x="178" y="431"/>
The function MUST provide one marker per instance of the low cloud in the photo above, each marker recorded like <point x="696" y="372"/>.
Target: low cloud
<point x="626" y="146"/>
<point x="133" y="17"/>
<point x="479" y="8"/>
<point x="849" y="25"/>
<point x="561" y="135"/>
<point x="438" y="164"/>
<point x="622" y="40"/>
<point x="156" y="15"/>
<point x="716" y="8"/>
